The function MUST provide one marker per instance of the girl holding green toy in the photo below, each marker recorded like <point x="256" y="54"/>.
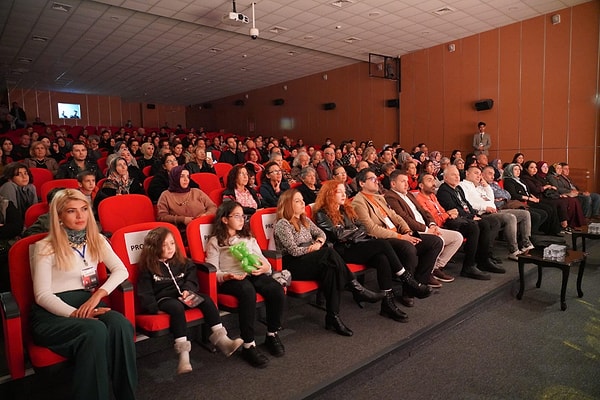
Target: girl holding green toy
<point x="233" y="251"/>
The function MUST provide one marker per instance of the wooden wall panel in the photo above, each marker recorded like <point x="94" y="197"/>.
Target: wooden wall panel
<point x="507" y="103"/>
<point x="556" y="82"/>
<point x="408" y="93"/>
<point x="532" y="57"/>
<point x="466" y="118"/>
<point x="44" y="111"/>
<point x="435" y="127"/>
<point x="488" y="85"/>
<point x="583" y="110"/>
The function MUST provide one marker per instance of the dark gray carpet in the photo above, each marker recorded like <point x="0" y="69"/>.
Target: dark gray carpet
<point x="472" y="339"/>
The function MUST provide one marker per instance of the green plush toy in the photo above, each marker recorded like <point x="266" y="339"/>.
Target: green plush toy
<point x="248" y="260"/>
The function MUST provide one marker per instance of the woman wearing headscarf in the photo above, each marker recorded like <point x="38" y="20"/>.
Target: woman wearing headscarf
<point x="575" y="217"/>
<point x="17" y="186"/>
<point x="181" y="204"/>
<point x="118" y="182"/>
<point x="539" y="210"/>
<point x="435" y="157"/>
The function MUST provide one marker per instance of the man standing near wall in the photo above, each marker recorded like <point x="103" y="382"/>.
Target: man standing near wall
<point x="481" y="140"/>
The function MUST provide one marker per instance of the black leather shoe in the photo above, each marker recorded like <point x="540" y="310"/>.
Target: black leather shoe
<point x="496" y="260"/>
<point x="274" y="345"/>
<point x="254" y="357"/>
<point x="360" y="293"/>
<point x="474" y="273"/>
<point x="390" y="309"/>
<point x="491" y="267"/>
<point x="414" y="288"/>
<point x="334" y="322"/>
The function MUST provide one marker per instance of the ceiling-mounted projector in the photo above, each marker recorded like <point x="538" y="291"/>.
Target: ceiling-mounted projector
<point x="239" y="17"/>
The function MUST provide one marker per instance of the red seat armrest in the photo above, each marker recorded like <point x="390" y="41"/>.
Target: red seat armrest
<point x="13" y="335"/>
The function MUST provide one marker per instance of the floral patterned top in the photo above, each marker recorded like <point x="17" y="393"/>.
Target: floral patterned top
<point x="293" y="243"/>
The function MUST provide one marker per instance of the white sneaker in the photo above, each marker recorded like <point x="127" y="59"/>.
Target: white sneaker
<point x="514" y="255"/>
<point x="527" y="248"/>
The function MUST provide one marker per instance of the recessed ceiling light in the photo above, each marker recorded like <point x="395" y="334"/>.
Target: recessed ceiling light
<point x="352" y="40"/>
<point x="374" y="14"/>
<point x="37" y="38"/>
<point x="61" y="7"/>
<point x="309" y="37"/>
<point x="291" y="53"/>
<point x="444" y="10"/>
<point x="342" y="3"/>
<point x="25" y="60"/>
<point x="243" y="69"/>
<point x="115" y="18"/>
<point x="278" y="29"/>
<point x="215" y="50"/>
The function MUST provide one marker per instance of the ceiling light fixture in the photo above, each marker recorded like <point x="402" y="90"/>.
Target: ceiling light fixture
<point x="37" y="38"/>
<point x="444" y="10"/>
<point x="342" y="3"/>
<point x="61" y="7"/>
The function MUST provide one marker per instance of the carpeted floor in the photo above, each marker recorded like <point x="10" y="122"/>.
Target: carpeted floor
<point x="470" y="340"/>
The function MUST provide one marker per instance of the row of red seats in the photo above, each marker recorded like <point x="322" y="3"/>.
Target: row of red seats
<point x="127" y="243"/>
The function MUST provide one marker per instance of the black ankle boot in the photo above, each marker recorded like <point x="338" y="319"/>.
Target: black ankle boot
<point x="360" y="293"/>
<point x="414" y="288"/>
<point x="390" y="309"/>
<point x="334" y="322"/>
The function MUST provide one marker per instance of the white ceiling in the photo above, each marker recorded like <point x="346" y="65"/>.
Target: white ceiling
<point x="181" y="51"/>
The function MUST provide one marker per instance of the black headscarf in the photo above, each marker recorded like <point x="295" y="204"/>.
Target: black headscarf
<point x="174" y="176"/>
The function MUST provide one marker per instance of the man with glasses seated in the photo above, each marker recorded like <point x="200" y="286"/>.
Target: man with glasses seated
<point x="326" y="167"/>
<point x="272" y="184"/>
<point x="417" y="253"/>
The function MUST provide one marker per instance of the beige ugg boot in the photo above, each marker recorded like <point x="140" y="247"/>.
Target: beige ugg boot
<point x="183" y="349"/>
<point x="221" y="341"/>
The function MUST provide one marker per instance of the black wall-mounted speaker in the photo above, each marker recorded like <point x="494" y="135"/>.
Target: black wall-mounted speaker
<point x="278" y="102"/>
<point x="392" y="103"/>
<point x="329" y="106"/>
<point x="239" y="103"/>
<point x="485" y="104"/>
<point x="150" y="106"/>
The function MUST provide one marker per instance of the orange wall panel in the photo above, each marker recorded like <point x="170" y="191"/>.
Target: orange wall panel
<point x="507" y="104"/>
<point x="532" y="64"/>
<point x="556" y="82"/>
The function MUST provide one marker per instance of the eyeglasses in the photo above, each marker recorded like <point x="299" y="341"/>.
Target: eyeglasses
<point x="171" y="162"/>
<point x="372" y="178"/>
<point x="236" y="216"/>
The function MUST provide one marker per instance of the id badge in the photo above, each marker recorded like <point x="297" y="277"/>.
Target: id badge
<point x="89" y="278"/>
<point x="389" y="223"/>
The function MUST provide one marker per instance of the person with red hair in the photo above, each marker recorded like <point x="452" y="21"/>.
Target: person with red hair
<point x="336" y="217"/>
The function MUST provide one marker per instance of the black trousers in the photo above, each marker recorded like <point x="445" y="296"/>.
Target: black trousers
<point x="552" y="225"/>
<point x="325" y="266"/>
<point x="480" y="237"/>
<point x="418" y="259"/>
<point x="377" y="254"/>
<point x="245" y="291"/>
<point x="176" y="310"/>
<point x="103" y="348"/>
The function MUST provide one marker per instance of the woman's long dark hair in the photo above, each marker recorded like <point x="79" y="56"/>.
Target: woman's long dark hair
<point x="220" y="228"/>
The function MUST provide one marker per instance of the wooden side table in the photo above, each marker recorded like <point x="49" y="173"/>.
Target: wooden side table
<point x="583" y="234"/>
<point x="536" y="257"/>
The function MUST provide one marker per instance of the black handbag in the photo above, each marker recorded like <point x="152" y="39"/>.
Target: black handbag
<point x="353" y="234"/>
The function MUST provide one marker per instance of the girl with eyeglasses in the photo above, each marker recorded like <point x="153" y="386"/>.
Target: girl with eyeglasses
<point x="230" y="229"/>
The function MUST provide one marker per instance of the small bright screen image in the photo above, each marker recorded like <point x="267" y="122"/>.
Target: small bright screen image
<point x="69" y="111"/>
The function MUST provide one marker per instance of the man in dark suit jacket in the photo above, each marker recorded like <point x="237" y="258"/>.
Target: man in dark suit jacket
<point x="451" y="195"/>
<point x="419" y="220"/>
